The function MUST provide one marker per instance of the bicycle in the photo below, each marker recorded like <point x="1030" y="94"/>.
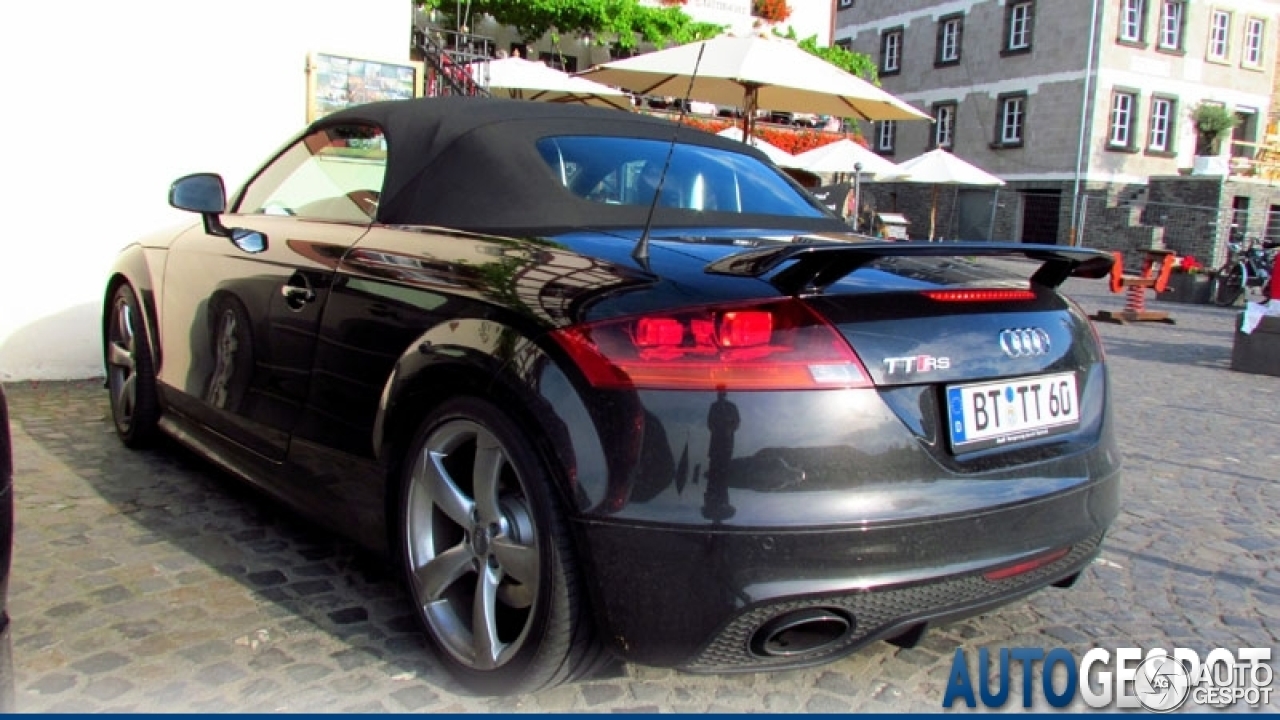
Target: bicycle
<point x="1248" y="265"/>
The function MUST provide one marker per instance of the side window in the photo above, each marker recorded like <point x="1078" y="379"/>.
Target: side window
<point x="332" y="174"/>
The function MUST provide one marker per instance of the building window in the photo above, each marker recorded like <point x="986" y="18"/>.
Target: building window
<point x="950" y="31"/>
<point x="1160" y="138"/>
<point x="1219" y="35"/>
<point x="1253" y="34"/>
<point x="845" y="4"/>
<point x="1017" y="27"/>
<point x="1123" y="109"/>
<point x="1132" y="18"/>
<point x="1171" y="13"/>
<point x="944" y="125"/>
<point x="1011" y="120"/>
<point x="886" y="135"/>
<point x="891" y="52"/>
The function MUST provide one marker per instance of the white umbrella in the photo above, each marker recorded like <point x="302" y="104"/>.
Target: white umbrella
<point x="842" y="155"/>
<point x="780" y="157"/>
<point x="528" y="80"/>
<point x="939" y="167"/>
<point x="751" y="73"/>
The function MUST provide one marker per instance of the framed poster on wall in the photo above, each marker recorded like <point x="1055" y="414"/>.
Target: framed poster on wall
<point x="335" y="82"/>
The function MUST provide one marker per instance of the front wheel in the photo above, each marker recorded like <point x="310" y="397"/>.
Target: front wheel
<point x="1230" y="286"/>
<point x="131" y="377"/>
<point x="486" y="554"/>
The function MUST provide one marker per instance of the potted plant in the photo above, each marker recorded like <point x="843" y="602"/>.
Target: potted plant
<point x="1213" y="122"/>
<point x="1190" y="282"/>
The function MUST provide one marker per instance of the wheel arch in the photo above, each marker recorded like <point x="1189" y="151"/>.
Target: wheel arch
<point x="132" y="268"/>
<point x="504" y="370"/>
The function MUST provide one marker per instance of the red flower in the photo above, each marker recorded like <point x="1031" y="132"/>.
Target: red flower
<point x="771" y="10"/>
<point x="1188" y="264"/>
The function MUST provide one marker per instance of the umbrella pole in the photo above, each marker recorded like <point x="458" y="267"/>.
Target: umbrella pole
<point x="933" y="213"/>
<point x="748" y="113"/>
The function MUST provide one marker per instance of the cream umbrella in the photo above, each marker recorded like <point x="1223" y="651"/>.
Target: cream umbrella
<point x="752" y="73"/>
<point x="940" y="167"/>
<point x="844" y="156"/>
<point x="847" y="156"/>
<point x="528" y="80"/>
<point x="780" y="157"/>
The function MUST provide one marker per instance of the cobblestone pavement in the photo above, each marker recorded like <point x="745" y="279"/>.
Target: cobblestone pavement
<point x="151" y="582"/>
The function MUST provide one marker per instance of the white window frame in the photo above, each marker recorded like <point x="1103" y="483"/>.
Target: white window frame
<point x="886" y="135"/>
<point x="1160" y="134"/>
<point x="1020" y="26"/>
<point x="1120" y="130"/>
<point x="1219" y="35"/>
<point x="1255" y="31"/>
<point x="944" y="126"/>
<point x="1013" y="117"/>
<point x="950" y="49"/>
<point x="1171" y="24"/>
<point x="1131" y="14"/>
<point x="892" y="60"/>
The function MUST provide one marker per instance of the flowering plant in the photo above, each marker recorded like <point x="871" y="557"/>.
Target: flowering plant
<point x="771" y="10"/>
<point x="1188" y="264"/>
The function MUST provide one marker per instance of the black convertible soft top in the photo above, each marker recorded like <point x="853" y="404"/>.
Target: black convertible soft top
<point x="473" y="164"/>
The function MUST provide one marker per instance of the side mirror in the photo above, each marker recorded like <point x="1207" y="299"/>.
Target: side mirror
<point x="203" y="193"/>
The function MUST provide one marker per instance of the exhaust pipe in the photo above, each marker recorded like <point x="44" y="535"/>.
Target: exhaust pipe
<point x="801" y="632"/>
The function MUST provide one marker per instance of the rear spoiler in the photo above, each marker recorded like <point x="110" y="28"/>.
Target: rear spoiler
<point x="817" y="266"/>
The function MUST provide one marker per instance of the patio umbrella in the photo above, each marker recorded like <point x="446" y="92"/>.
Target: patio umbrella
<point x="752" y="73"/>
<point x="847" y="156"/>
<point x="528" y="80"/>
<point x="939" y="167"/>
<point x="842" y="155"/>
<point x="780" y="157"/>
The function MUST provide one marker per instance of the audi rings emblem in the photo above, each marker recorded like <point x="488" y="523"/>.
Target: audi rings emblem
<point x="1024" y="342"/>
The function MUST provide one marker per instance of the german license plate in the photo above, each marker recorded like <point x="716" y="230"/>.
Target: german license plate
<point x="984" y="415"/>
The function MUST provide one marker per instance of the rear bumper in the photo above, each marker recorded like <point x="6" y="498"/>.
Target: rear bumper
<point x="695" y="598"/>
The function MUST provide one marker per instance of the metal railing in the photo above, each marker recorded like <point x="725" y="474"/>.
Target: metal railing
<point x="457" y="63"/>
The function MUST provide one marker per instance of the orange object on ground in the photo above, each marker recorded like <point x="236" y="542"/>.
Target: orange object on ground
<point x="1157" y="266"/>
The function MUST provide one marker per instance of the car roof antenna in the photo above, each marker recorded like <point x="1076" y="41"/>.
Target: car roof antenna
<point x="641" y="251"/>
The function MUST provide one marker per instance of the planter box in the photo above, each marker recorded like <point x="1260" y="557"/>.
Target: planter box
<point x="1189" y="288"/>
<point x="1209" y="165"/>
<point x="1258" y="352"/>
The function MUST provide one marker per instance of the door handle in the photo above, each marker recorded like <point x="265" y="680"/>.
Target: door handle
<point x="298" y="291"/>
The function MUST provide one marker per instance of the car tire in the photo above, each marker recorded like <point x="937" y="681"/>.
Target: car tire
<point x="131" y="377"/>
<point x="486" y="554"/>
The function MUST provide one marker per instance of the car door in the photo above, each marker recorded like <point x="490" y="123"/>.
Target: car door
<point x="239" y="325"/>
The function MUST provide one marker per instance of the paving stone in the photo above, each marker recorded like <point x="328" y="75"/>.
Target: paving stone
<point x="101" y="663"/>
<point x="595" y="694"/>
<point x="414" y="699"/>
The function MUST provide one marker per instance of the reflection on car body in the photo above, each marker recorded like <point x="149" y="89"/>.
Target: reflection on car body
<point x="442" y="344"/>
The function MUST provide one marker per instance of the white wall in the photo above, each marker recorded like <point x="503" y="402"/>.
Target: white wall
<point x="106" y="103"/>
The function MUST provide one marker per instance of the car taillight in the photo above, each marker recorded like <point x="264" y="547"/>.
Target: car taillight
<point x="781" y="345"/>
<point x="981" y="295"/>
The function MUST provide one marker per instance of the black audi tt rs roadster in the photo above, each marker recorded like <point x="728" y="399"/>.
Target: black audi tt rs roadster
<point x="606" y="387"/>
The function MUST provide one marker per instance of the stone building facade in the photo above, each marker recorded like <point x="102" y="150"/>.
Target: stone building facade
<point x="1077" y="104"/>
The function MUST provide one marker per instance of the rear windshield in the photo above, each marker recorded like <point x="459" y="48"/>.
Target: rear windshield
<point x="627" y="171"/>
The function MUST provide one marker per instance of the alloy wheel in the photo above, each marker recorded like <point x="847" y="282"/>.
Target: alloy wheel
<point x="122" y="348"/>
<point x="471" y="544"/>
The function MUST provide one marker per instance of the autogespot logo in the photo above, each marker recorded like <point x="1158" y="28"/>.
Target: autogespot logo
<point x="1158" y="680"/>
